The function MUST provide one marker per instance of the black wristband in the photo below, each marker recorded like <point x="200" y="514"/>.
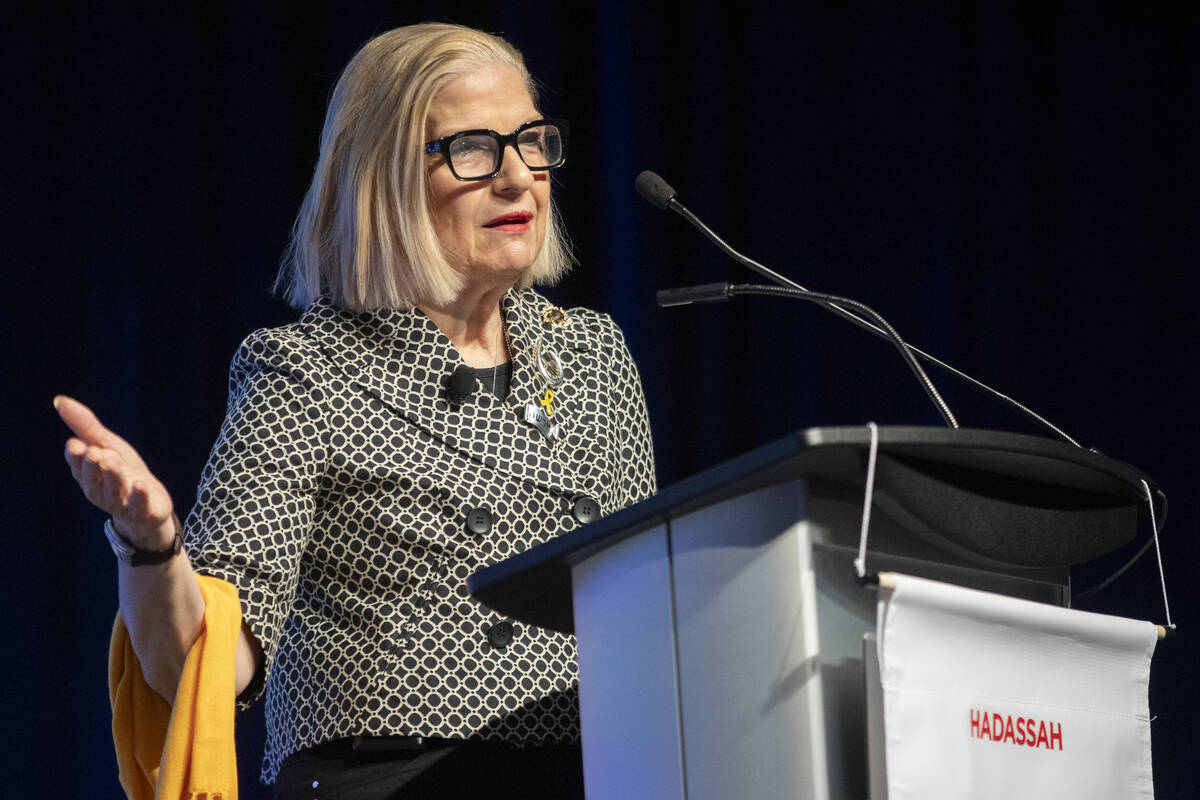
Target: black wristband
<point x="137" y="558"/>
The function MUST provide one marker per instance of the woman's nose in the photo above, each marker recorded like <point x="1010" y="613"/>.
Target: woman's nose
<point x="514" y="175"/>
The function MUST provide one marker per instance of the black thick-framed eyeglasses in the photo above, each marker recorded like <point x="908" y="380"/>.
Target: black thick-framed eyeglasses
<point x="476" y="155"/>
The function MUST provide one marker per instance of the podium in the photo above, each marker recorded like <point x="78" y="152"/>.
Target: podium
<point x="719" y="623"/>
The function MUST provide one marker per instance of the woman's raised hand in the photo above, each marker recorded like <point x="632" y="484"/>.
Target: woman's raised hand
<point x="114" y="478"/>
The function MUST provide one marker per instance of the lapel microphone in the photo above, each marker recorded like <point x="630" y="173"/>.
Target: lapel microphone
<point x="461" y="385"/>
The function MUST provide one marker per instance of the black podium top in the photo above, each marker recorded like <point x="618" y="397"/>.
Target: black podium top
<point x="1010" y="498"/>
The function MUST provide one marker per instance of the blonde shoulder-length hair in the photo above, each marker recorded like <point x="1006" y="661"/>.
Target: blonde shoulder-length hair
<point x="364" y="236"/>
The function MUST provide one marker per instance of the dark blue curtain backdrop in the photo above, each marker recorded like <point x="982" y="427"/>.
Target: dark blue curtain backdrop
<point x="1012" y="185"/>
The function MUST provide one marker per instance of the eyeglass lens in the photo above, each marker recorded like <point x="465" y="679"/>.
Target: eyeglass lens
<point x="479" y="155"/>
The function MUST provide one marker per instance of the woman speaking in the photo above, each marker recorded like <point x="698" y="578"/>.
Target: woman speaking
<point x="429" y="414"/>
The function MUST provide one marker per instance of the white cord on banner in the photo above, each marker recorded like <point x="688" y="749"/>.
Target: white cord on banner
<point x="860" y="563"/>
<point x="1161" y="576"/>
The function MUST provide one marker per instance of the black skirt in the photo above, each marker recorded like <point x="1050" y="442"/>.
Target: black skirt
<point x="441" y="769"/>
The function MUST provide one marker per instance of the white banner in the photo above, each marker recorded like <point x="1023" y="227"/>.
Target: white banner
<point x="988" y="697"/>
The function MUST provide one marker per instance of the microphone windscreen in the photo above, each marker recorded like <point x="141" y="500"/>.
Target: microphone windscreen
<point x="655" y="189"/>
<point x="461" y="385"/>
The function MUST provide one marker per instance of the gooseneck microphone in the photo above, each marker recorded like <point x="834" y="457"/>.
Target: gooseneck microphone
<point x="686" y="295"/>
<point x="461" y="386"/>
<point x="657" y="191"/>
<point x="660" y="194"/>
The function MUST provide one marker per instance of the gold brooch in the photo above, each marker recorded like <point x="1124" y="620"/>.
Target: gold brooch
<point x="555" y="317"/>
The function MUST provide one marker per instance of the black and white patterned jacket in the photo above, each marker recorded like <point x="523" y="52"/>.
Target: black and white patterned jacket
<point x="348" y="502"/>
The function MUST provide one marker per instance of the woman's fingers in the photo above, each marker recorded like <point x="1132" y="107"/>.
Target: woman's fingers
<point x="106" y="482"/>
<point x="80" y="419"/>
<point x="86" y="425"/>
<point x="111" y="474"/>
<point x="91" y="478"/>
<point x="116" y="480"/>
<point x="73" y="453"/>
<point x="99" y="482"/>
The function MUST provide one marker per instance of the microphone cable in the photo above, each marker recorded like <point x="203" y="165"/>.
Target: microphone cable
<point x="832" y="302"/>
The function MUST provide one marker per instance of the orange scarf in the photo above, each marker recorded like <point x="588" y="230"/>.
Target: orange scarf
<point x="184" y="751"/>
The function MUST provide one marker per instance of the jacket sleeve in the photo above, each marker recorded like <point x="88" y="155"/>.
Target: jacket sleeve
<point x="258" y="493"/>
<point x="635" y="471"/>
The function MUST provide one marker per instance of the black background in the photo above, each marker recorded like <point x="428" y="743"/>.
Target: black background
<point x="1012" y="185"/>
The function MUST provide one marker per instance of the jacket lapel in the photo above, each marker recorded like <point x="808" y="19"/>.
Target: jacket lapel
<point x="401" y="358"/>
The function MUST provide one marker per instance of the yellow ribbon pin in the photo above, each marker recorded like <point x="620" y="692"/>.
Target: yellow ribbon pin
<point x="547" y="400"/>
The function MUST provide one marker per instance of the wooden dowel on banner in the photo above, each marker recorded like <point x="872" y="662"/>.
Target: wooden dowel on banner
<point x="887" y="580"/>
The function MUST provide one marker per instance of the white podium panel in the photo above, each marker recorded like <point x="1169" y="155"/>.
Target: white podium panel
<point x="628" y="702"/>
<point x="700" y="664"/>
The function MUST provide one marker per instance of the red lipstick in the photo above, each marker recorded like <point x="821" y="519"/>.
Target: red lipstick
<point x="516" y="222"/>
